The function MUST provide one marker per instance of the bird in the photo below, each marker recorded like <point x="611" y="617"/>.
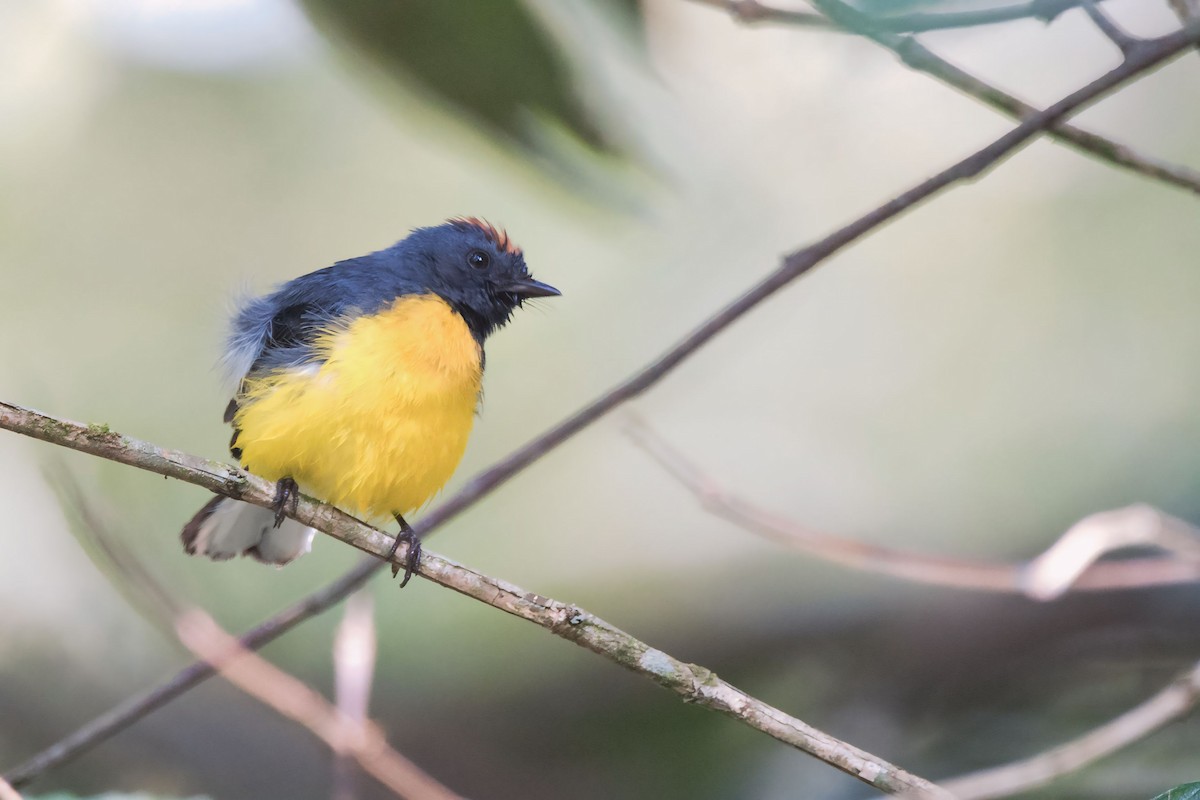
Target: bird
<point x="358" y="385"/>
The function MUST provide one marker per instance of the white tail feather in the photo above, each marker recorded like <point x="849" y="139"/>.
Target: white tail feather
<point x="225" y="528"/>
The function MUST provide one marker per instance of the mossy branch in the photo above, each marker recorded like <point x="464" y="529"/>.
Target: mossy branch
<point x="692" y="682"/>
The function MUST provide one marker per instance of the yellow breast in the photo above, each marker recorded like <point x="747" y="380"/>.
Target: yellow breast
<point x="380" y="426"/>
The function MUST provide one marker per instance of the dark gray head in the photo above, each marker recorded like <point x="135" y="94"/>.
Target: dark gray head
<point x="474" y="267"/>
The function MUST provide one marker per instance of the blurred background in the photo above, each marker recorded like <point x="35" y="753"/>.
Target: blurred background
<point x="969" y="381"/>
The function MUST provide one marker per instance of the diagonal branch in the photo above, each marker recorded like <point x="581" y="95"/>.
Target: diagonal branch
<point x="917" y="56"/>
<point x="1156" y="53"/>
<point x="921" y="58"/>
<point x="1068" y="565"/>
<point x="1077" y="552"/>
<point x="693" y="683"/>
<point x="1186" y="10"/>
<point x="346" y="728"/>
<point x="1125" y="42"/>
<point x="290" y="697"/>
<point x="124" y="714"/>
<point x="1172" y="702"/>
<point x="227" y="481"/>
<point x="1044" y="10"/>
<point x="354" y="648"/>
<point x="916" y="22"/>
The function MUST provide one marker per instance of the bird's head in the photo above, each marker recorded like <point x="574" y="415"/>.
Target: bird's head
<point x="475" y="268"/>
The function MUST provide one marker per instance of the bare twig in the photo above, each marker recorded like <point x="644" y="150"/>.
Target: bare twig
<point x="1069" y="565"/>
<point x="693" y="683"/>
<point x="1178" y="698"/>
<point x="919" y="57"/>
<point x="799" y="262"/>
<point x="751" y="11"/>
<point x="353" y="671"/>
<point x="1044" y="10"/>
<point x="1117" y="35"/>
<point x="344" y="735"/>
<point x="922" y="59"/>
<point x="7" y="792"/>
<point x="121" y="716"/>
<point x="224" y="480"/>
<point x="1055" y="571"/>
<point x="347" y="729"/>
<point x="1186" y="10"/>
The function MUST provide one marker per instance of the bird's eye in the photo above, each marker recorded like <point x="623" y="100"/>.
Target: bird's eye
<point x="478" y="259"/>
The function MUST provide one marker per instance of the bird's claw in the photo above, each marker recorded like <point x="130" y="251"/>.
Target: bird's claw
<point x="412" y="561"/>
<point x="287" y="493"/>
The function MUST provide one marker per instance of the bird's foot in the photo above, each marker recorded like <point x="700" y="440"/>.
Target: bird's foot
<point x="413" y="560"/>
<point x="287" y="493"/>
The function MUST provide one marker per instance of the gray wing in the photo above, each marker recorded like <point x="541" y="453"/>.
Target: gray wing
<point x="276" y="332"/>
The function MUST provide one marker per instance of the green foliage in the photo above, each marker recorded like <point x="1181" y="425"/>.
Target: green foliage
<point x="1188" y="791"/>
<point x="491" y="59"/>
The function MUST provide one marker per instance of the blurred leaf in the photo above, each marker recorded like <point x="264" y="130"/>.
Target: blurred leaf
<point x="489" y="58"/>
<point x="1188" y="791"/>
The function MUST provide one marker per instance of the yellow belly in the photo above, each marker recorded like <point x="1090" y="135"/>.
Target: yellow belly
<point x="380" y="426"/>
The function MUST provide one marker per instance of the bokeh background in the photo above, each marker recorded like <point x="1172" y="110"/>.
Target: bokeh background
<point x="970" y="381"/>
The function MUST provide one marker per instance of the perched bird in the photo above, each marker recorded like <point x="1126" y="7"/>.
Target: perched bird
<point x="359" y="384"/>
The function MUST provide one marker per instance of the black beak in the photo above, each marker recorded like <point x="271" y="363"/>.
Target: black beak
<point x="528" y="287"/>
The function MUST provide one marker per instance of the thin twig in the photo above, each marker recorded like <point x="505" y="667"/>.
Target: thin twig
<point x="225" y="480"/>
<point x="1125" y="42"/>
<point x="354" y="648"/>
<point x="346" y="728"/>
<point x="1044" y="10"/>
<point x="917" y="56"/>
<point x="1054" y="572"/>
<point x="1187" y="10"/>
<point x="799" y="262"/>
<point x="751" y="11"/>
<point x="692" y="682"/>
<point x="1178" y="698"/>
<point x="1069" y="565"/>
<point x="134" y="708"/>
<point x="7" y="792"/>
<point x="360" y="740"/>
<point x="922" y="59"/>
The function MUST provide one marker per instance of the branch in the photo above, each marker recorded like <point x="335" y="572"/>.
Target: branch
<point x="121" y="716"/>
<point x="1156" y="52"/>
<point x="347" y="728"/>
<point x="692" y="682"/>
<point x="751" y="11"/>
<point x="359" y="739"/>
<point x="1068" y="565"/>
<point x="920" y="58"/>
<point x="1179" y="697"/>
<point x="354" y="648"/>
<point x="222" y="479"/>
<point x="917" y="56"/>
<point x="7" y="792"/>
<point x="1122" y="39"/>
<point x="1044" y="10"/>
<point x="1055" y="571"/>
<point x="1186" y="10"/>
